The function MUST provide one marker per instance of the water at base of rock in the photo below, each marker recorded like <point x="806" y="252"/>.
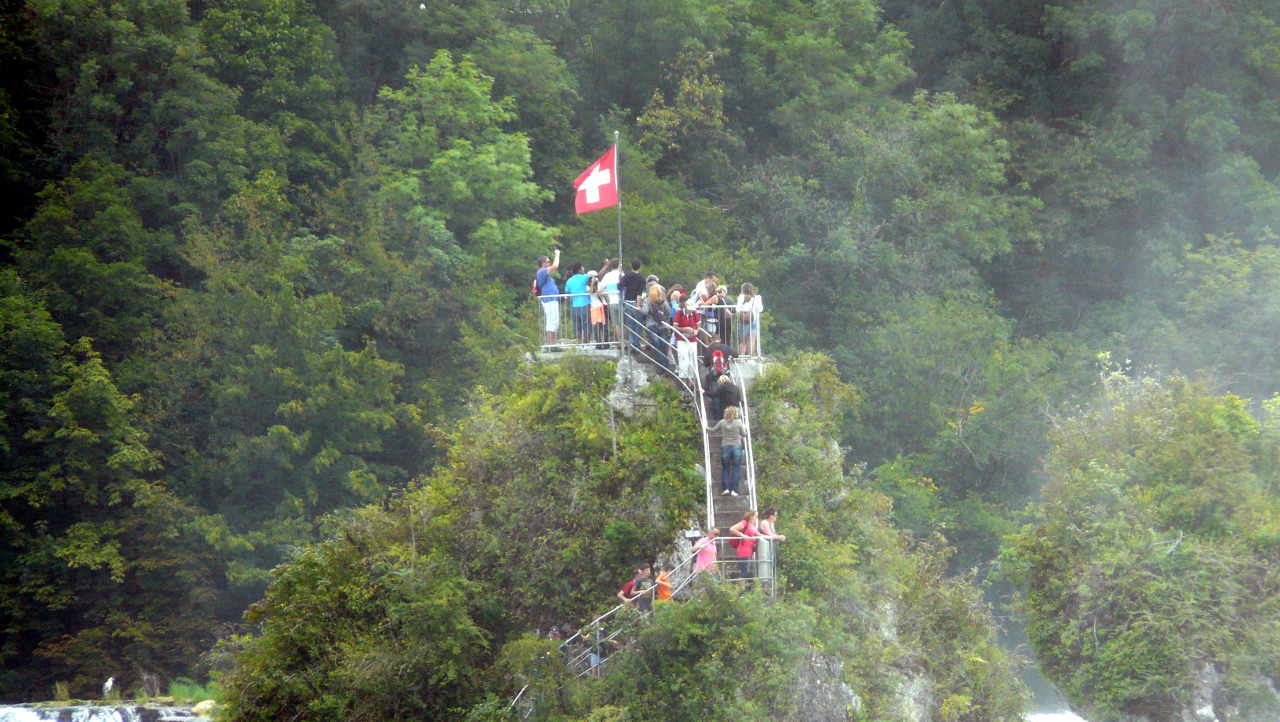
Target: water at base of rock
<point x="121" y="713"/>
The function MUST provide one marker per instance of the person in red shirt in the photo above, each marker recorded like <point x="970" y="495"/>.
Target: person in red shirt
<point x="745" y="533"/>
<point x="686" y="338"/>
<point x="638" y="591"/>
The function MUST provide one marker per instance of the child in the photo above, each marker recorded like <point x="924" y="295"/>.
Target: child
<point x="599" y="307"/>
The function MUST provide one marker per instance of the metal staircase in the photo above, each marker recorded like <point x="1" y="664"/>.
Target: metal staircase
<point x="589" y="649"/>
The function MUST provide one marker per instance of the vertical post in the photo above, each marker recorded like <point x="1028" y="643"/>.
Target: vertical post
<point x="617" y="181"/>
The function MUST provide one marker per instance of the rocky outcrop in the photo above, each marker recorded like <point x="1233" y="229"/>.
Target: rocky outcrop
<point x="827" y="697"/>
<point x="1209" y="703"/>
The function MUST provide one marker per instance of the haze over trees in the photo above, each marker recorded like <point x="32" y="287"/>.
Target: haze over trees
<point x="264" y="259"/>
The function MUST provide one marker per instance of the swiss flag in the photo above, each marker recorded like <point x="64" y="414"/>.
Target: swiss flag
<point x="597" y="187"/>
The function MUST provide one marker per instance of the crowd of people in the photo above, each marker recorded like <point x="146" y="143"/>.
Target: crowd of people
<point x="667" y="322"/>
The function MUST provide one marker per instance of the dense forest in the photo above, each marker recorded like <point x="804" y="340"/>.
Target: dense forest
<point x="264" y="304"/>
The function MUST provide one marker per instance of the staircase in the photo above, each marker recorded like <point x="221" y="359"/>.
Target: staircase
<point x="587" y="650"/>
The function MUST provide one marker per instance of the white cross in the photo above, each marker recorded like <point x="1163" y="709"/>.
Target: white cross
<point x="592" y="183"/>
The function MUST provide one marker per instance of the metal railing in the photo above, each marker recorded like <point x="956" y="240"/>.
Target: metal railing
<point x="749" y="448"/>
<point x="734" y="328"/>
<point x="589" y="648"/>
<point x="650" y="349"/>
<point x="574" y="330"/>
<point x="565" y="326"/>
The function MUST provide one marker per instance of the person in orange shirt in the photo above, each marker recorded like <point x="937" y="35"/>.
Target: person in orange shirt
<point x="665" y="586"/>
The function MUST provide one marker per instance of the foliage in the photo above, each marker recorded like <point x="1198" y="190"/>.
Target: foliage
<point x="1150" y="560"/>
<point x="99" y="573"/>
<point x="723" y="654"/>
<point x="462" y="560"/>
<point x="188" y="691"/>
<point x="297" y="237"/>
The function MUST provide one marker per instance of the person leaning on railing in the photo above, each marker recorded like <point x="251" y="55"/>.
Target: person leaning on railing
<point x="639" y="591"/>
<point x="767" y="555"/>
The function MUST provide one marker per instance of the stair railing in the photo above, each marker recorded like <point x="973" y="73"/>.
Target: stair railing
<point x="700" y="409"/>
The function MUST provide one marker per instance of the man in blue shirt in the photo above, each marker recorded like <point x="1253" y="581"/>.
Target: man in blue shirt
<point x="548" y="293"/>
<point x="579" y="302"/>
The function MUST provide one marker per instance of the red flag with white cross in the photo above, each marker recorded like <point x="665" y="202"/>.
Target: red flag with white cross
<point x="597" y="187"/>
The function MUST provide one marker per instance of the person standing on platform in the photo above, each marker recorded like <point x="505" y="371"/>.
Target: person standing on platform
<point x="745" y="534"/>
<point x="749" y="308"/>
<point x="633" y="286"/>
<point x="548" y="293"/>
<point x="599" y="310"/>
<point x="579" y="303"/>
<point x="767" y="555"/>
<point x="611" y="284"/>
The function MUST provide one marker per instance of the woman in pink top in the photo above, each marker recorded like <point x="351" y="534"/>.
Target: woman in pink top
<point x="745" y="534"/>
<point x="767" y="557"/>
<point x="706" y="549"/>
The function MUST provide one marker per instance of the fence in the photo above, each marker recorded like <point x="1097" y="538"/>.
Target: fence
<point x="587" y="651"/>
<point x="565" y="326"/>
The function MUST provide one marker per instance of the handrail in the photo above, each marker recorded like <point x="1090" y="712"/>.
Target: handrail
<point x="596" y="624"/>
<point x="618" y="325"/>
<point x="701" y="407"/>
<point x="597" y="645"/>
<point x="749" y="450"/>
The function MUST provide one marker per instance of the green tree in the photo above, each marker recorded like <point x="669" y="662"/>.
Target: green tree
<point x="1147" y="563"/>
<point x="99" y="575"/>
<point x="284" y="61"/>
<point x="95" y="261"/>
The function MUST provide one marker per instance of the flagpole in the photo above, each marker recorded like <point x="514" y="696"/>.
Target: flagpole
<point x="617" y="180"/>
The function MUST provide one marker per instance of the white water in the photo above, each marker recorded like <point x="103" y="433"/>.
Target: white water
<point x="129" y="714"/>
<point x="123" y="713"/>
<point x="78" y="714"/>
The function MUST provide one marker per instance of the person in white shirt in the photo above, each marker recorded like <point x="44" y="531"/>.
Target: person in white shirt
<point x="748" y="309"/>
<point x="611" y="286"/>
<point x="610" y="278"/>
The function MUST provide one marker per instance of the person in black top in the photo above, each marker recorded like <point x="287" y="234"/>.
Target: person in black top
<point x="632" y="285"/>
<point x="714" y="410"/>
<point x="708" y="354"/>
<point x="727" y="393"/>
